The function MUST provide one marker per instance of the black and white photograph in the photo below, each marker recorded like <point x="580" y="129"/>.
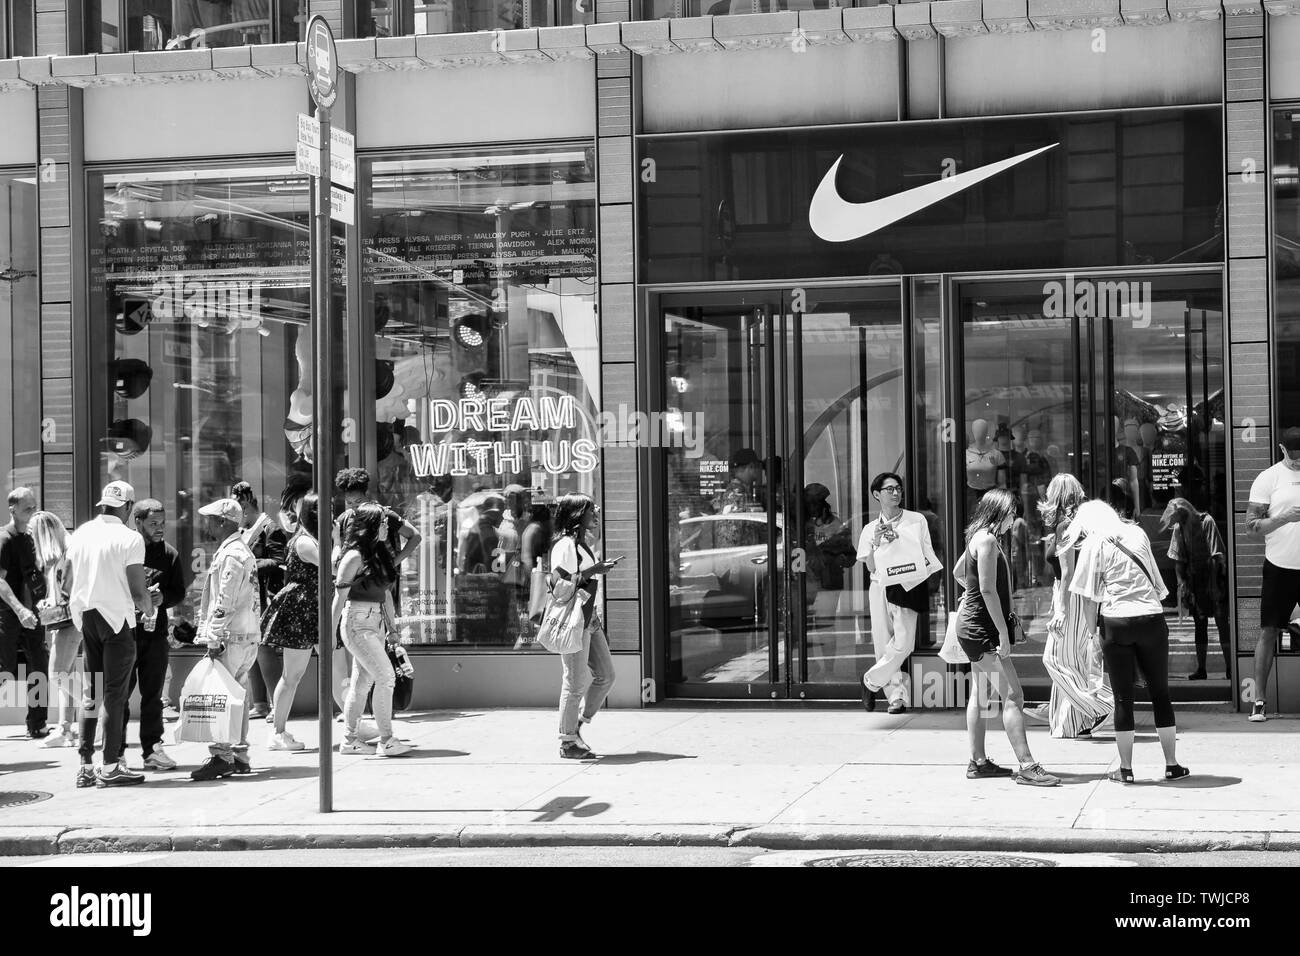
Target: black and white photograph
<point x="651" y="434"/>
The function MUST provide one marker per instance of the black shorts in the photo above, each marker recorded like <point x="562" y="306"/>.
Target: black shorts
<point x="1279" y="596"/>
<point x="975" y="648"/>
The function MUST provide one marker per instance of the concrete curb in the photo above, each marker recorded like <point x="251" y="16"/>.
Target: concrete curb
<point x="46" y="841"/>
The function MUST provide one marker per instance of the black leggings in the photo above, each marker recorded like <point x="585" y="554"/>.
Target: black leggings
<point x="1140" y="643"/>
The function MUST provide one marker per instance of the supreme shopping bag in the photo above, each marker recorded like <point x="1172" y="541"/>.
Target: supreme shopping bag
<point x="562" y="624"/>
<point x="212" y="705"/>
<point x="902" y="561"/>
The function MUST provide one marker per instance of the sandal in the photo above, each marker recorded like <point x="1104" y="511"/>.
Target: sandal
<point x="1176" y="771"/>
<point x="1122" y="775"/>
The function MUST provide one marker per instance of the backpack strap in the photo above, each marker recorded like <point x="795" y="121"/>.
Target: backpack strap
<point x="1134" y="558"/>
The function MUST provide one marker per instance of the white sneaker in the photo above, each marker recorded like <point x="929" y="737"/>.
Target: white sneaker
<point x="1257" y="715"/>
<point x="158" y="759"/>
<point x="286" y="741"/>
<point x="59" y="739"/>
<point x="356" y="747"/>
<point x="392" y="747"/>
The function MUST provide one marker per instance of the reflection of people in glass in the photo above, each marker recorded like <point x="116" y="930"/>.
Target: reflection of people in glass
<point x="1127" y="464"/>
<point x="742" y="491"/>
<point x="1081" y="697"/>
<point x="479" y="547"/>
<point x="1201" y="563"/>
<point x="826" y="540"/>
<point x="894" y="609"/>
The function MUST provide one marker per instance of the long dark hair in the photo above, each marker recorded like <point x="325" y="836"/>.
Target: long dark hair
<point x="997" y="505"/>
<point x="569" y="512"/>
<point x="361" y="534"/>
<point x="307" y="511"/>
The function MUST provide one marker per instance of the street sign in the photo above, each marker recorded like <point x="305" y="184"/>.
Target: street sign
<point x="307" y="160"/>
<point x="308" y="131"/>
<point x="343" y="206"/>
<point x="322" y="63"/>
<point x="343" y="158"/>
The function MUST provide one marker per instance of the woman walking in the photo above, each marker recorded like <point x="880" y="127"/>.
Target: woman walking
<point x="1081" y="697"/>
<point x="589" y="671"/>
<point x="1201" y="563"/>
<point x="50" y="539"/>
<point x="289" y="622"/>
<point x="1116" y="573"/>
<point x="363" y="601"/>
<point x="985" y="624"/>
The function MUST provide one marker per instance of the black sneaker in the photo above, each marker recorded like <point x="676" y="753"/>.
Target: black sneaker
<point x="868" y="698"/>
<point x="571" y="751"/>
<point x="1198" y="674"/>
<point x="242" y="768"/>
<point x="40" y="733"/>
<point x="86" y="776"/>
<point x="213" y="768"/>
<point x="118" y="776"/>
<point x="979" y="771"/>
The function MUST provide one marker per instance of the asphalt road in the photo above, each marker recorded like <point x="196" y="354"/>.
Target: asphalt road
<point x="642" y="857"/>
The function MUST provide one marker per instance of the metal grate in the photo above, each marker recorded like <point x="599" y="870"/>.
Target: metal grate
<point x="17" y="798"/>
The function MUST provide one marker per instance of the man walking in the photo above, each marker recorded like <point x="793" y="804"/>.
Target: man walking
<point x="229" y="623"/>
<point x="106" y="562"/>
<point x="1274" y="512"/>
<point x="21" y="586"/>
<point x="165" y="578"/>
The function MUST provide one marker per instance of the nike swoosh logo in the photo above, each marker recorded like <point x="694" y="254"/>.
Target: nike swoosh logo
<point x="836" y="220"/>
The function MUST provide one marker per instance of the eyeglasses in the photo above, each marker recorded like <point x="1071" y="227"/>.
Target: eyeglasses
<point x="891" y="489"/>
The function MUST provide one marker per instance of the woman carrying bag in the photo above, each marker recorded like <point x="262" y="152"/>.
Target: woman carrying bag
<point x="589" y="668"/>
<point x="50" y="539"/>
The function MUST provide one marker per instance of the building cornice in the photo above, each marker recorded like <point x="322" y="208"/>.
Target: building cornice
<point x="909" y="22"/>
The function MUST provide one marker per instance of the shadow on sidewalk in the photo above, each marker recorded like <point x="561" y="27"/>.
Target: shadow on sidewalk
<point x="31" y="765"/>
<point x="641" y="756"/>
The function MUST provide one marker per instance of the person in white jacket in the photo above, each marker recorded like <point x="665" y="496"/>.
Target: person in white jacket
<point x="229" y="623"/>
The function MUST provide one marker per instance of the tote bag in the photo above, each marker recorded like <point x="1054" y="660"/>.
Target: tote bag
<point x="562" y="623"/>
<point x="951" y="651"/>
<point x="212" y="706"/>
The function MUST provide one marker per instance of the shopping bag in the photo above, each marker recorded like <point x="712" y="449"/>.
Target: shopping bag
<point x="562" y="624"/>
<point x="903" y="562"/>
<point x="951" y="651"/>
<point x="212" y="706"/>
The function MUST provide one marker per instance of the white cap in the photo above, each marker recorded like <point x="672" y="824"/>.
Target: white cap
<point x="227" y="508"/>
<point x="116" y="494"/>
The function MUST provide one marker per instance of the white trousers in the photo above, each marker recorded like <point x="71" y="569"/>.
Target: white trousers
<point x="893" y="631"/>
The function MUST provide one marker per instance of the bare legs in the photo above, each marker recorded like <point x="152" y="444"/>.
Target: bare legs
<point x="993" y="674"/>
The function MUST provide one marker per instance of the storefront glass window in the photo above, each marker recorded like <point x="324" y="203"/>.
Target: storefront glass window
<point x="142" y="25"/>
<point x="1286" y="249"/>
<point x="384" y="18"/>
<point x="479" y="278"/>
<point x="19" y="24"/>
<point x="200" y="293"/>
<point x="662" y="9"/>
<point x="20" y="448"/>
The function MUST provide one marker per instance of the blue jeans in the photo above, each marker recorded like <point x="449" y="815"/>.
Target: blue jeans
<point x="364" y="637"/>
<point x="238" y="658"/>
<point x="588" y="679"/>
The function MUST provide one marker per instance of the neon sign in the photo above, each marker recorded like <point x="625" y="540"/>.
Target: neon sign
<point x="477" y="457"/>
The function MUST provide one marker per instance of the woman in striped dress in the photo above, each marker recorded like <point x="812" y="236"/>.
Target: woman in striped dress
<point x="1081" y="695"/>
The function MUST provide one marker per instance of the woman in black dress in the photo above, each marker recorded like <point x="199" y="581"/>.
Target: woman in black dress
<point x="290" y="619"/>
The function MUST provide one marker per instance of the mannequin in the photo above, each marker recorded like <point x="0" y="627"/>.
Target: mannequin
<point x="983" y="463"/>
<point x="1128" y="460"/>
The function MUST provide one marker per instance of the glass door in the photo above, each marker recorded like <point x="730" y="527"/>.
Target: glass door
<point x="797" y="398"/>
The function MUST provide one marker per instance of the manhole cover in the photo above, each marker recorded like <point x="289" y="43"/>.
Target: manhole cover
<point x="16" y="798"/>
<point x="929" y="859"/>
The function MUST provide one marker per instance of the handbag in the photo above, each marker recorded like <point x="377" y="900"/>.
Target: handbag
<point x="563" y="622"/>
<point x="951" y="651"/>
<point x="53" y="613"/>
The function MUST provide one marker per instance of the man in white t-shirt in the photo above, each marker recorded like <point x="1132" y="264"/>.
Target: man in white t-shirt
<point x="1274" y="512"/>
<point x="894" y="610"/>
<point x="106" y="565"/>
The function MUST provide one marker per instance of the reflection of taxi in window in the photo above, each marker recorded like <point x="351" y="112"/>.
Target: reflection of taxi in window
<point x="723" y="560"/>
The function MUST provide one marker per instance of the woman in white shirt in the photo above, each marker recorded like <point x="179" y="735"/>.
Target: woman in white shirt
<point x="1117" y="573"/>
<point x="588" y="672"/>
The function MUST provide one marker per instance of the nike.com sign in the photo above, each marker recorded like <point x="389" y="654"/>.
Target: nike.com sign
<point x="835" y="219"/>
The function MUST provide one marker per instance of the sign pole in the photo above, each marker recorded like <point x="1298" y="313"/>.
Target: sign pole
<point x="322" y="82"/>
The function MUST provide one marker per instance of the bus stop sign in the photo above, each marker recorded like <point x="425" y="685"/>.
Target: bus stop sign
<point x="322" y="63"/>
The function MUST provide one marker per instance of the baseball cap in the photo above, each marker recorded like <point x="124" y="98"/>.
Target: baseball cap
<point x="1291" y="439"/>
<point x="227" y="508"/>
<point x="115" y="495"/>
<point x="743" y="457"/>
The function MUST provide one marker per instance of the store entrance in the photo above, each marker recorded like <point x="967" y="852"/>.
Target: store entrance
<point x="1117" y="380"/>
<point x="788" y="401"/>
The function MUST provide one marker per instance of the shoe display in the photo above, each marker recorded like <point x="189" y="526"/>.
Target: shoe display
<point x="86" y="776"/>
<point x="59" y="739"/>
<point x="213" y="768"/>
<point x="392" y="747"/>
<point x="571" y="751"/>
<point x="118" y="776"/>
<point x="158" y="759"/>
<point x="986" y="770"/>
<point x="897" y="707"/>
<point x="1257" y="715"/>
<point x="356" y="747"/>
<point x="286" y="741"/>
<point x="1035" y="776"/>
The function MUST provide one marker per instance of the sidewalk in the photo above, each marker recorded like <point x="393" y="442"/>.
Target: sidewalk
<point x="769" y="778"/>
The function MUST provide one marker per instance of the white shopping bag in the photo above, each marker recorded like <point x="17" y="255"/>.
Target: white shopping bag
<point x="902" y="561"/>
<point x="212" y="706"/>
